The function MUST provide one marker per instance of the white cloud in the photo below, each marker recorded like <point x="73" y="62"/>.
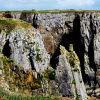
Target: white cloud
<point x="47" y="4"/>
<point x="22" y="1"/>
<point x="76" y="2"/>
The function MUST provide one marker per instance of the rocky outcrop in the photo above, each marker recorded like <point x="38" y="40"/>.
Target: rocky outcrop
<point x="51" y="26"/>
<point x="80" y="29"/>
<point x="64" y="75"/>
<point x="26" y="47"/>
<point x="69" y="76"/>
<point x="90" y="34"/>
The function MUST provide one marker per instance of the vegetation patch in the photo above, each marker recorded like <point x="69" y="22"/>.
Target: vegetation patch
<point x="0" y="68"/>
<point x="38" y="57"/>
<point x="24" y="41"/>
<point x="50" y="75"/>
<point x="7" y="96"/>
<point x="8" y="24"/>
<point x="74" y="82"/>
<point x="37" y="49"/>
<point x="51" y="11"/>
<point x="15" y="76"/>
<point x="11" y="60"/>
<point x="72" y="62"/>
<point x="31" y="43"/>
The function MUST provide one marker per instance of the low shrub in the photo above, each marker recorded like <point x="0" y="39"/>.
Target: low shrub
<point x="72" y="62"/>
<point x="37" y="49"/>
<point x="6" y="96"/>
<point x="0" y="30"/>
<point x="10" y="60"/>
<point x="38" y="57"/>
<point x="50" y="75"/>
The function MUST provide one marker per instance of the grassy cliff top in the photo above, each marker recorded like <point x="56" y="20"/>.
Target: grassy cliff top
<point x="53" y="11"/>
<point x="8" y="24"/>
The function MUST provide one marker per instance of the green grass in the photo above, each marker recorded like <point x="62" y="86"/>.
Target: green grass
<point x="74" y="82"/>
<point x="38" y="57"/>
<point x="50" y="75"/>
<point x="37" y="49"/>
<point x="0" y="68"/>
<point x="11" y="60"/>
<point x="72" y="62"/>
<point x="6" y="96"/>
<point x="9" y="24"/>
<point x="53" y="11"/>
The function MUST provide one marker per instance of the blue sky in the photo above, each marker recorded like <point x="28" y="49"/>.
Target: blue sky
<point x="49" y="4"/>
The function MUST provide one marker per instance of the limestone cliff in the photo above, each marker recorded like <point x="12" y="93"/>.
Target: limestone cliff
<point x="24" y="44"/>
<point x="69" y="76"/>
<point x="50" y="31"/>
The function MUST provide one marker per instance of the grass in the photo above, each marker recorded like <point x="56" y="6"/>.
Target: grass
<point x="49" y="75"/>
<point x="53" y="11"/>
<point x="11" y="60"/>
<point x="0" y="68"/>
<point x="7" y="96"/>
<point x="8" y="24"/>
<point x="38" y="57"/>
<point x="72" y="62"/>
<point x="37" y="49"/>
<point x="74" y="82"/>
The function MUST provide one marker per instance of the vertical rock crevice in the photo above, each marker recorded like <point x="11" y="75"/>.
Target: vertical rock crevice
<point x="74" y="37"/>
<point x="91" y="52"/>
<point x="31" y="59"/>
<point x="78" y="45"/>
<point x="66" y="39"/>
<point x="35" y="21"/>
<point x="6" y="49"/>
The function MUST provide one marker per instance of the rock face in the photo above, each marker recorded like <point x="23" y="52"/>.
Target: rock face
<point x="26" y="47"/>
<point x="81" y="30"/>
<point x="90" y="34"/>
<point x="69" y="76"/>
<point x="23" y="51"/>
<point x="51" y="26"/>
<point x="64" y="75"/>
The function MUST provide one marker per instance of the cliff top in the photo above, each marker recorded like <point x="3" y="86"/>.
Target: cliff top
<point x="53" y="11"/>
<point x="9" y="24"/>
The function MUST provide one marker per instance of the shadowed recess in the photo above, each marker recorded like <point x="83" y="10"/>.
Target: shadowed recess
<point x="79" y="46"/>
<point x="35" y="21"/>
<point x="73" y="37"/>
<point x="6" y="49"/>
<point x="31" y="59"/>
<point x="91" y="51"/>
<point x="65" y="41"/>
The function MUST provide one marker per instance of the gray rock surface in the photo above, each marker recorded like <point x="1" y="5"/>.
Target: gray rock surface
<point x="52" y="27"/>
<point x="26" y="48"/>
<point x="68" y="77"/>
<point x="64" y="77"/>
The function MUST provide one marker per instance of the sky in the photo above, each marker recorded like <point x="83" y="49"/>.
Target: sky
<point x="49" y="4"/>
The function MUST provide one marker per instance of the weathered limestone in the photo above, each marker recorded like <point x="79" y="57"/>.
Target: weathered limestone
<point x="30" y="49"/>
<point x="51" y="26"/>
<point x="69" y="77"/>
<point x="90" y="32"/>
<point x="26" y="48"/>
